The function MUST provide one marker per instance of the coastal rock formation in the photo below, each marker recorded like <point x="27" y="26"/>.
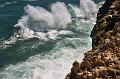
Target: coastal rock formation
<point x="103" y="61"/>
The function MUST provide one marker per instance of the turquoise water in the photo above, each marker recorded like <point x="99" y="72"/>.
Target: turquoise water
<point x="39" y="39"/>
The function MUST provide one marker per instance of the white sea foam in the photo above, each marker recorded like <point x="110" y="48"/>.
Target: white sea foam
<point x="29" y="0"/>
<point x="7" y="3"/>
<point x="51" y="66"/>
<point x="61" y="15"/>
<point x="89" y="7"/>
<point x="75" y="11"/>
<point x="101" y="3"/>
<point x="57" y="62"/>
<point x="87" y="10"/>
<point x="39" y="20"/>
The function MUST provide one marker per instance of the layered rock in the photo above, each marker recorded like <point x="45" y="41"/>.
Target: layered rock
<point x="103" y="61"/>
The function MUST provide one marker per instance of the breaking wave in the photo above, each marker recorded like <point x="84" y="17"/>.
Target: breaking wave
<point x="39" y="22"/>
<point x="7" y="3"/>
<point x="68" y="26"/>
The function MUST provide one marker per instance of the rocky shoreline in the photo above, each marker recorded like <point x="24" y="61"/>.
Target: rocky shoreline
<point x="103" y="61"/>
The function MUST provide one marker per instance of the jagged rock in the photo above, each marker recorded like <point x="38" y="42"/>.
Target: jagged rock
<point x="107" y="40"/>
<point x="90" y="76"/>
<point x="102" y="73"/>
<point x="76" y="64"/>
<point x="103" y="61"/>
<point x="118" y="54"/>
<point x="85" y="65"/>
<point x="99" y="63"/>
<point x="111" y="73"/>
<point x="74" y="70"/>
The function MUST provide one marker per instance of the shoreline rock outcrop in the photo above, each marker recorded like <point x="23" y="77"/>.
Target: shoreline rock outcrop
<point x="103" y="61"/>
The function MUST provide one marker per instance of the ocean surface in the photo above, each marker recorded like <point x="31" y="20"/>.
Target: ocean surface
<point x="40" y="39"/>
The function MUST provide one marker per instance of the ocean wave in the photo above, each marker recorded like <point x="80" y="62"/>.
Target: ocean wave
<point x="46" y="25"/>
<point x="52" y="65"/>
<point x="7" y="3"/>
<point x="29" y="0"/>
<point x="51" y="26"/>
<point x="38" y="19"/>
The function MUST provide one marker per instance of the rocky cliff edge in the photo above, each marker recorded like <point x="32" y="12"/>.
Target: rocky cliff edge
<point x="103" y="61"/>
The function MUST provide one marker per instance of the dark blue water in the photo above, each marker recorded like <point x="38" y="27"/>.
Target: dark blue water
<point x="24" y="54"/>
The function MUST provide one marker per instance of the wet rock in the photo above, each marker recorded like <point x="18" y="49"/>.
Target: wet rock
<point x="74" y="70"/>
<point x="76" y="64"/>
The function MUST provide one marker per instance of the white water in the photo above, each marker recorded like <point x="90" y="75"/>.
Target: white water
<point x="61" y="15"/>
<point x="7" y="3"/>
<point x="89" y="7"/>
<point x="75" y="11"/>
<point x="51" y="66"/>
<point x="37" y="19"/>
<point x="57" y="63"/>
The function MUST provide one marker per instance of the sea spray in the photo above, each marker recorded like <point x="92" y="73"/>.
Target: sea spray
<point x="39" y="21"/>
<point x="69" y="45"/>
<point x="89" y="7"/>
<point x="39" y="18"/>
<point x="54" y="64"/>
<point x="61" y="15"/>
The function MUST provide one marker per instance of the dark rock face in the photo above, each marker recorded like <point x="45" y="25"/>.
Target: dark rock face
<point x="103" y="61"/>
<point x="106" y="31"/>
